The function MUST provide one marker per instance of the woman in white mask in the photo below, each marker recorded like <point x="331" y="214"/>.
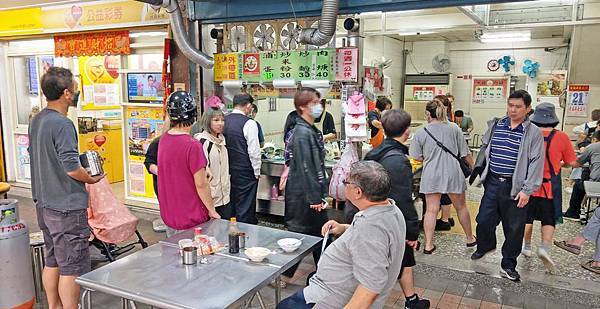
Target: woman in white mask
<point x="307" y="184"/>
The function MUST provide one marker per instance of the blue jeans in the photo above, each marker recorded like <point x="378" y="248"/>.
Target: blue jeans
<point x="497" y="206"/>
<point x="296" y="301"/>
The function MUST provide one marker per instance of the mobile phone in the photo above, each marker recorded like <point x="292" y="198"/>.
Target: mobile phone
<point x="325" y="204"/>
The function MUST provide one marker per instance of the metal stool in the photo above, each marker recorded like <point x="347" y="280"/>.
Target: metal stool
<point x="4" y="188"/>
<point x="592" y="191"/>
<point x="36" y="243"/>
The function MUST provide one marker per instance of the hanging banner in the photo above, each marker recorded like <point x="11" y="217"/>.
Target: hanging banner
<point x="251" y="65"/>
<point x="347" y="65"/>
<point x="578" y="100"/>
<point x="490" y="90"/>
<point x="91" y="44"/>
<point x="100" y="82"/>
<point x="83" y="16"/>
<point x="143" y="125"/>
<point x="226" y="67"/>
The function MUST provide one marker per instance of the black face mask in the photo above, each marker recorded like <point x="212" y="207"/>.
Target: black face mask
<point x="75" y="99"/>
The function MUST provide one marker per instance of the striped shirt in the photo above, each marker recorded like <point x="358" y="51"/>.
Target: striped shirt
<point x="505" y="146"/>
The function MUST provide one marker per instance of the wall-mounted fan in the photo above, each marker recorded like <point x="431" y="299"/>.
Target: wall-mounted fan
<point x="382" y="63"/>
<point x="264" y="37"/>
<point x="289" y="36"/>
<point x="441" y="63"/>
<point x="237" y="37"/>
<point x="531" y="68"/>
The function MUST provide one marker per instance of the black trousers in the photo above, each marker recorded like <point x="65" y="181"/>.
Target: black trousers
<point x="576" y="199"/>
<point x="243" y="196"/>
<point x="497" y="206"/>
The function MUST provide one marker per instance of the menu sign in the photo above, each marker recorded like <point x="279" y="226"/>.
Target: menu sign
<point x="226" y="67"/>
<point x="298" y="65"/>
<point x="490" y="90"/>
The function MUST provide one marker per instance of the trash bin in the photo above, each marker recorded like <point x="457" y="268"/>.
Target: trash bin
<point x="16" y="284"/>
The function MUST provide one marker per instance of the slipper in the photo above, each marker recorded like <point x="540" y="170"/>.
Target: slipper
<point x="566" y="246"/>
<point x="588" y="265"/>
<point x="429" y="251"/>
<point x="472" y="244"/>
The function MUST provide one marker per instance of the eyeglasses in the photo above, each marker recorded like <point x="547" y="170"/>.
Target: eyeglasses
<point x="345" y="182"/>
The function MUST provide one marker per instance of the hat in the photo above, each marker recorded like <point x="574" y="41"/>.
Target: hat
<point x="242" y="99"/>
<point x="544" y="114"/>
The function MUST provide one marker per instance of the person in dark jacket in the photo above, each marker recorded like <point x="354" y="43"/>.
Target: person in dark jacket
<point x="151" y="162"/>
<point x="392" y="154"/>
<point x="307" y="184"/>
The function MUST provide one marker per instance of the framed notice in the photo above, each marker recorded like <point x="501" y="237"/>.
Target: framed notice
<point x="577" y="101"/>
<point x="490" y="90"/>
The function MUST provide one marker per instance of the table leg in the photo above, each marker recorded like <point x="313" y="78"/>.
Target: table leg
<point x="277" y="289"/>
<point x="261" y="301"/>
<point x="124" y="303"/>
<point x="248" y="302"/>
<point x="86" y="299"/>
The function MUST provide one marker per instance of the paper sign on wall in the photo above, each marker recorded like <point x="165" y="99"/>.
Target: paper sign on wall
<point x="490" y="90"/>
<point x="347" y="65"/>
<point x="578" y="100"/>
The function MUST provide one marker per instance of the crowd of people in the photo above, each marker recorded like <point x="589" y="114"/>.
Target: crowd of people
<point x="214" y="174"/>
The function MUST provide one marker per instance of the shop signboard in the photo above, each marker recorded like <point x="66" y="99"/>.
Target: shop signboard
<point x="226" y="67"/>
<point x="424" y="93"/>
<point x="79" y="16"/>
<point x="490" y="90"/>
<point x="578" y="100"/>
<point x="143" y="125"/>
<point x="251" y="65"/>
<point x="90" y="44"/>
<point x="347" y="65"/>
<point x="100" y="82"/>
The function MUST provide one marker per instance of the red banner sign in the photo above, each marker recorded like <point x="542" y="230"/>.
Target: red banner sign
<point x="92" y="44"/>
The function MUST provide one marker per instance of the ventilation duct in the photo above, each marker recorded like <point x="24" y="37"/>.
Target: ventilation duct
<point x="322" y="35"/>
<point x="180" y="33"/>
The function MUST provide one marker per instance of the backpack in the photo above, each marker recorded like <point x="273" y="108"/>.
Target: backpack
<point x="341" y="171"/>
<point x="210" y="145"/>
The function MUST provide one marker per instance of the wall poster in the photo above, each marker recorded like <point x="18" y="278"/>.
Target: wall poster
<point x="100" y="82"/>
<point x="490" y="90"/>
<point x="143" y="125"/>
<point x="23" y="161"/>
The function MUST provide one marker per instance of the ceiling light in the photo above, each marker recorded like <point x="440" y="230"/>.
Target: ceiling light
<point x="505" y="36"/>
<point x="147" y="34"/>
<point x="410" y="33"/>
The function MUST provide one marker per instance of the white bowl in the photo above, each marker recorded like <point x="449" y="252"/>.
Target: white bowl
<point x="257" y="254"/>
<point x="289" y="244"/>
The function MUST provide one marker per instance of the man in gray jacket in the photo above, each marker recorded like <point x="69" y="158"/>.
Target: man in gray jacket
<point x="512" y="171"/>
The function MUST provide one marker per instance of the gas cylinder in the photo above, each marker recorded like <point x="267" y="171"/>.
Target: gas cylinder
<point x="16" y="274"/>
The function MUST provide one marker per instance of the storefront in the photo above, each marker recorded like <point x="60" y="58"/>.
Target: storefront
<point x="115" y="49"/>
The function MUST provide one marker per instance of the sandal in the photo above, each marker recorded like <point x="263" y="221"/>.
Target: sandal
<point x="566" y="246"/>
<point x="472" y="244"/>
<point x="429" y="251"/>
<point x="588" y="265"/>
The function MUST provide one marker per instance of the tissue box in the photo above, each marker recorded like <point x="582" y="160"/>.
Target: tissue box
<point x="355" y="119"/>
<point x="356" y="130"/>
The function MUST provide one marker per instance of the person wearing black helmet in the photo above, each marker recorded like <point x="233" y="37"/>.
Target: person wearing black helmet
<point x="183" y="185"/>
<point x="243" y="147"/>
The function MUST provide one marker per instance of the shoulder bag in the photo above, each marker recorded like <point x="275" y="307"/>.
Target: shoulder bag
<point x="464" y="166"/>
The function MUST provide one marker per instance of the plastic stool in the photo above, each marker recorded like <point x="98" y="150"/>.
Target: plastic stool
<point x="592" y="191"/>
<point x="36" y="243"/>
<point x="4" y="188"/>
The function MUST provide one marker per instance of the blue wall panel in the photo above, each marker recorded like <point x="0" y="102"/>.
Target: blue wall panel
<point x="246" y="10"/>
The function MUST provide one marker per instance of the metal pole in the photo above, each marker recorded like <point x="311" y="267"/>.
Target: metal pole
<point x="403" y="75"/>
<point x="278" y="289"/>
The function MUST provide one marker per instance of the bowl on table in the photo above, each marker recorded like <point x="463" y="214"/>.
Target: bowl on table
<point x="257" y="254"/>
<point x="289" y="244"/>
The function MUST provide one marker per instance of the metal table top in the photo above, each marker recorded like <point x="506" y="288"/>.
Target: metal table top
<point x="155" y="275"/>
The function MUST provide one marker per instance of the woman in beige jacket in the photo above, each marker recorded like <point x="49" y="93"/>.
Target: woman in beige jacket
<point x="213" y="142"/>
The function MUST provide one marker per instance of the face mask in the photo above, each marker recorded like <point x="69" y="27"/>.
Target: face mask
<point x="75" y="99"/>
<point x="316" y="111"/>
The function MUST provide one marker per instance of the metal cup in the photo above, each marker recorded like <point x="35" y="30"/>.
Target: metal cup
<point x="190" y="256"/>
<point x="242" y="240"/>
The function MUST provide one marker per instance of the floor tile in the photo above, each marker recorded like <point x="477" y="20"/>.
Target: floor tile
<point x="489" y="305"/>
<point x="470" y="302"/>
<point x="457" y="288"/>
<point x="475" y="291"/>
<point x="430" y="294"/>
<point x="512" y="299"/>
<point x="494" y="295"/>
<point x="555" y="304"/>
<point x="534" y="302"/>
<point x="451" y="298"/>
<point x="446" y="305"/>
<point x="438" y="285"/>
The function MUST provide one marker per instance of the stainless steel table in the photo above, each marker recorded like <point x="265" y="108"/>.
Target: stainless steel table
<point x="155" y="275"/>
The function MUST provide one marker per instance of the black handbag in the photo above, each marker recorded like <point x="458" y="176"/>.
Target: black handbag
<point x="481" y="161"/>
<point x="464" y="166"/>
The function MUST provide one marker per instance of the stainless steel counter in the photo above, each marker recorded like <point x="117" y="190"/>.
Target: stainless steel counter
<point x="155" y="275"/>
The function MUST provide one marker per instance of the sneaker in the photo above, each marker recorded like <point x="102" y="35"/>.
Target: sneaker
<point x="571" y="217"/>
<point x="442" y="225"/>
<point x="417" y="303"/>
<point x="451" y="221"/>
<point x="510" y="274"/>
<point x="478" y="254"/>
<point x="548" y="263"/>
<point x="526" y="252"/>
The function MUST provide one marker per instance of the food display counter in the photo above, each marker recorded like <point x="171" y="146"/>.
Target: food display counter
<point x="269" y="199"/>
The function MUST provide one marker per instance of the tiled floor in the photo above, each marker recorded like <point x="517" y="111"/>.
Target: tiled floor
<point x="443" y="293"/>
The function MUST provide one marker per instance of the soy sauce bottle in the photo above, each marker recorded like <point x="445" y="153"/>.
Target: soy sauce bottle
<point x="234" y="236"/>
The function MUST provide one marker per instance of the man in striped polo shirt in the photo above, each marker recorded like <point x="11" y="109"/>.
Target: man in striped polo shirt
<point x="513" y="171"/>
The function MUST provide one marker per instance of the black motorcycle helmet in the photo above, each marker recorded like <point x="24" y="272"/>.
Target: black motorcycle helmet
<point x="182" y="108"/>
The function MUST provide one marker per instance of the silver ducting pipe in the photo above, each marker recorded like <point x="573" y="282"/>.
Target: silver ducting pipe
<point x="180" y="34"/>
<point x="322" y="35"/>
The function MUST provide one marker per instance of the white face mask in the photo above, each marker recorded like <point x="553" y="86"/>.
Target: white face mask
<point x="316" y="111"/>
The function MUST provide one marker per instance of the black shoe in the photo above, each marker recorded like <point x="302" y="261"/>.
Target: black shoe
<point x="417" y="303"/>
<point x="442" y="225"/>
<point x="478" y="254"/>
<point x="571" y="216"/>
<point x="510" y="274"/>
<point x="451" y="220"/>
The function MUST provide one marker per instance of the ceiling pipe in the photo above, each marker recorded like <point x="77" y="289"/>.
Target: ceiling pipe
<point x="322" y="35"/>
<point x="180" y="34"/>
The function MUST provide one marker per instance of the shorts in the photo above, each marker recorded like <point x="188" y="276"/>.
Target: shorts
<point x="66" y="235"/>
<point x="408" y="260"/>
<point x="445" y="200"/>
<point x="540" y="209"/>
